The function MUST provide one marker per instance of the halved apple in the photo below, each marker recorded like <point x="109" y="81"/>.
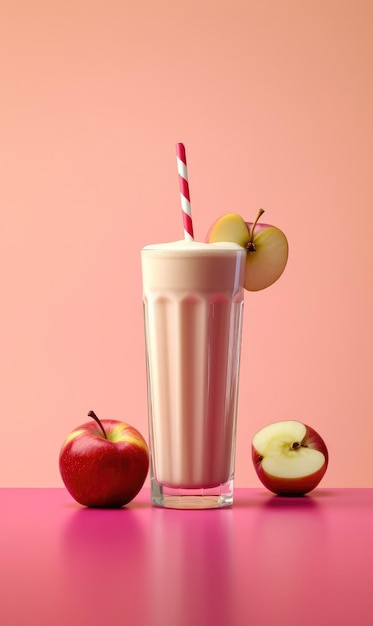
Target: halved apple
<point x="290" y="458"/>
<point x="267" y="247"/>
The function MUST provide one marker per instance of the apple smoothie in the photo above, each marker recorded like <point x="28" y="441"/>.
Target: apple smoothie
<point x="193" y="301"/>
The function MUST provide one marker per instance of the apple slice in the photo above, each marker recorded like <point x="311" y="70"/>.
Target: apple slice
<point x="267" y="255"/>
<point x="230" y="227"/>
<point x="267" y="247"/>
<point x="290" y="458"/>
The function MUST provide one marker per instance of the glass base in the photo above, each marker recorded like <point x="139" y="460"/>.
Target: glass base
<point x="211" y="498"/>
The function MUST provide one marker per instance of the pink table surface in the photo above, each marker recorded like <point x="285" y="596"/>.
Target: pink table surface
<point x="267" y="560"/>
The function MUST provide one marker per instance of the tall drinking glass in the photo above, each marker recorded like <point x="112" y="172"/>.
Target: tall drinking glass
<point x="193" y="303"/>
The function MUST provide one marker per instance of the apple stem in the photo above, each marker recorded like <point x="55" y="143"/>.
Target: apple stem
<point x="251" y="245"/>
<point x="92" y="414"/>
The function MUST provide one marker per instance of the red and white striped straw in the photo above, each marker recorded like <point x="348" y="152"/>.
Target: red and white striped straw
<point x="184" y="191"/>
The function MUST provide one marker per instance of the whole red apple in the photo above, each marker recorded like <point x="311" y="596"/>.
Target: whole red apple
<point x="104" y="463"/>
<point x="290" y="458"/>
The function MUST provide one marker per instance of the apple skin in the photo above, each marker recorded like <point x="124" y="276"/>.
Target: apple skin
<point x="100" y="472"/>
<point x="299" y="486"/>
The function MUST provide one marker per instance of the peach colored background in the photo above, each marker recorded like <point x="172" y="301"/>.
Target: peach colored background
<point x="274" y="101"/>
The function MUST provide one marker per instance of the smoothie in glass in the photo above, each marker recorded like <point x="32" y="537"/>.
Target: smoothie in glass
<point x="193" y="302"/>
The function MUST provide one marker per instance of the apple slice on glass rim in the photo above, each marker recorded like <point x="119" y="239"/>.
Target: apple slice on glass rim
<point x="267" y="247"/>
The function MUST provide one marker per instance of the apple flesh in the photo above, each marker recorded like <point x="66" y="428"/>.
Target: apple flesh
<point x="267" y="247"/>
<point x="290" y="458"/>
<point x="230" y="227"/>
<point x="267" y="256"/>
<point x="104" y="463"/>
